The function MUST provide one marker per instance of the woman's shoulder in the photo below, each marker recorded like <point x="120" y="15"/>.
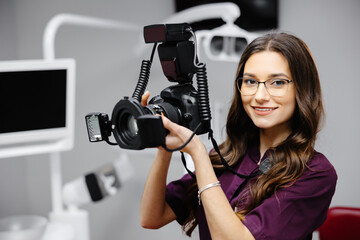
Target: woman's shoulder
<point x="319" y="165"/>
<point x="318" y="179"/>
<point x="320" y="162"/>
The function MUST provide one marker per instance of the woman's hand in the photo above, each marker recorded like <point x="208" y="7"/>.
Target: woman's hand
<point x="144" y="98"/>
<point x="178" y="135"/>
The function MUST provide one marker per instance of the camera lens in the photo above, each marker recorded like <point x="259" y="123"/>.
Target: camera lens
<point x="132" y="126"/>
<point x="128" y="126"/>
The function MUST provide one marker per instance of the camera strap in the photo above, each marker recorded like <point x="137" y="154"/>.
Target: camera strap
<point x="182" y="146"/>
<point x="224" y="162"/>
<point x="263" y="168"/>
<point x="185" y="166"/>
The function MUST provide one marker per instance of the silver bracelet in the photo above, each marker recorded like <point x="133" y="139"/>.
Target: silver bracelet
<point x="215" y="184"/>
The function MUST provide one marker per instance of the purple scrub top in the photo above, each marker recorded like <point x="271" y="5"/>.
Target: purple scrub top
<point x="294" y="212"/>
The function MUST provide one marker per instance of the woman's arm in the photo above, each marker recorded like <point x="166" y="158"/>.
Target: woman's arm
<point x="154" y="211"/>
<point x="222" y="221"/>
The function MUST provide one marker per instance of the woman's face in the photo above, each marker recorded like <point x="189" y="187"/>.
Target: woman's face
<point x="265" y="110"/>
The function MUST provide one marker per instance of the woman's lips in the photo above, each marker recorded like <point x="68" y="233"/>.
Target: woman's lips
<point x="264" y="110"/>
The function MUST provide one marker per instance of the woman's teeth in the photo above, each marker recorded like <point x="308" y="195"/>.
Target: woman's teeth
<point x="264" y="109"/>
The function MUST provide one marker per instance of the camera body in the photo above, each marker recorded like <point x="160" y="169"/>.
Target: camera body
<point x="137" y="127"/>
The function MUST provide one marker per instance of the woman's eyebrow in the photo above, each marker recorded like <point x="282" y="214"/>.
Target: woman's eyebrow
<point x="273" y="75"/>
<point x="279" y="75"/>
<point x="249" y="74"/>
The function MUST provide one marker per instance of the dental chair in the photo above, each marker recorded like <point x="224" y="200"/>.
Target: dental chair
<point x="341" y="223"/>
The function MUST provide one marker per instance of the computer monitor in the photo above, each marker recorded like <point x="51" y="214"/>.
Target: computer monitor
<point x="37" y="103"/>
<point x="255" y="15"/>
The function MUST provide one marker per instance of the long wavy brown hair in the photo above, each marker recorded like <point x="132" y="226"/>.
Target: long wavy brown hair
<point x="289" y="158"/>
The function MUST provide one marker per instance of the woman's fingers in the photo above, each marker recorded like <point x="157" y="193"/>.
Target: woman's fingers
<point x="178" y="134"/>
<point x="175" y="129"/>
<point x="144" y="98"/>
<point x="169" y="125"/>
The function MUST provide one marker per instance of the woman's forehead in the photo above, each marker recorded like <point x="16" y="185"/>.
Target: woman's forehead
<point x="267" y="64"/>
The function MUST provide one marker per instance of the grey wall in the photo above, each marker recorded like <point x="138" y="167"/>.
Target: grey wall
<point x="331" y="30"/>
<point x="107" y="70"/>
<point x="14" y="170"/>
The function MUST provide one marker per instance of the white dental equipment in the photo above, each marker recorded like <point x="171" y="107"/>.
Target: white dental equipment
<point x="76" y="218"/>
<point x="231" y="37"/>
<point x="29" y="123"/>
<point x="104" y="181"/>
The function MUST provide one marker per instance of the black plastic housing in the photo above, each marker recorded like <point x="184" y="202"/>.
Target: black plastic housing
<point x="167" y="33"/>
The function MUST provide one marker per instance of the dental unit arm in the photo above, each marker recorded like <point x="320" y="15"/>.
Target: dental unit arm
<point x="104" y="182"/>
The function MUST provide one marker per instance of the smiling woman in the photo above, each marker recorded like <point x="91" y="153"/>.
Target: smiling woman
<point x="268" y="112"/>
<point x="273" y="119"/>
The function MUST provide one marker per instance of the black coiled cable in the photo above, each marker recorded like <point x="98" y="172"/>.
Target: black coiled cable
<point x="203" y="95"/>
<point x="144" y="76"/>
<point x="143" y="80"/>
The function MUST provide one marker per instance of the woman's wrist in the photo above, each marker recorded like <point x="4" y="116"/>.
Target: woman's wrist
<point x="196" y="146"/>
<point x="162" y="153"/>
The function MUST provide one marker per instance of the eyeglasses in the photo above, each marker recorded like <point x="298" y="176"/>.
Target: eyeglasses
<point x="276" y="87"/>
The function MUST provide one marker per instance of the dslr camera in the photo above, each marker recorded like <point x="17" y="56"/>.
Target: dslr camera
<point x="137" y="127"/>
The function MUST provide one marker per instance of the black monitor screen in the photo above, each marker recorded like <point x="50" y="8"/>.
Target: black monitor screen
<point x="32" y="100"/>
<point x="255" y="15"/>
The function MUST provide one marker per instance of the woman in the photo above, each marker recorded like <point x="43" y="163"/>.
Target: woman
<point x="274" y="116"/>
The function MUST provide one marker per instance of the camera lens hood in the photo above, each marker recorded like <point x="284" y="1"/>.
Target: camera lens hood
<point x="124" y="125"/>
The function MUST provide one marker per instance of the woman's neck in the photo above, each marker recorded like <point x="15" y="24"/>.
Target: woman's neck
<point x="272" y="138"/>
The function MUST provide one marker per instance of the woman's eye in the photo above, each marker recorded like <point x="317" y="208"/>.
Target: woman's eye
<point x="250" y="82"/>
<point x="277" y="82"/>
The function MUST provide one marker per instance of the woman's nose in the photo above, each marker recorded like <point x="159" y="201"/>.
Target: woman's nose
<point x="262" y="94"/>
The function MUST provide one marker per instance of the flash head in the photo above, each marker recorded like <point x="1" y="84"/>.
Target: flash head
<point x="97" y="126"/>
<point x="167" y="33"/>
